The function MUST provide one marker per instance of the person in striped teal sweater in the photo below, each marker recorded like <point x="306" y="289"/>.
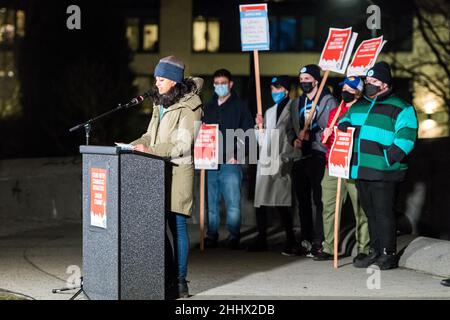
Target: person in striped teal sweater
<point x="386" y="131"/>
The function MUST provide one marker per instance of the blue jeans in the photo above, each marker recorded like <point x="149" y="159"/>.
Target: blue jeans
<point x="178" y="228"/>
<point x="226" y="183"/>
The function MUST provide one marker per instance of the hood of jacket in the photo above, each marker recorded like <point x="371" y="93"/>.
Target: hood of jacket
<point x="191" y="99"/>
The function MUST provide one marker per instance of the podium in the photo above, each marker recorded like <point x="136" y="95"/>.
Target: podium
<point x="124" y="228"/>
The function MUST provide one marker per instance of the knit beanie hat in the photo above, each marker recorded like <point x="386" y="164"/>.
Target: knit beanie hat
<point x="313" y="70"/>
<point x="381" y="71"/>
<point x="170" y="68"/>
<point x="283" y="81"/>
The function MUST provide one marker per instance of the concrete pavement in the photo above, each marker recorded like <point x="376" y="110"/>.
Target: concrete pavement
<point x="34" y="262"/>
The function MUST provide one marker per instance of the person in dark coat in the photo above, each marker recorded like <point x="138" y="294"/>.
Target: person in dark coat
<point x="233" y="116"/>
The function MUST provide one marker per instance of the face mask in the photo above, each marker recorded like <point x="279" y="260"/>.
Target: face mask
<point x="347" y="96"/>
<point x="278" y="96"/>
<point x="370" y="90"/>
<point x="306" y="86"/>
<point x="221" y="90"/>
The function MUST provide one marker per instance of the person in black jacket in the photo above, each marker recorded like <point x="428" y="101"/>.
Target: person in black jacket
<point x="228" y="111"/>
<point x="308" y="170"/>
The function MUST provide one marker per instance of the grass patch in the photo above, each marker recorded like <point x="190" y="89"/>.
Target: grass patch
<point x="10" y="297"/>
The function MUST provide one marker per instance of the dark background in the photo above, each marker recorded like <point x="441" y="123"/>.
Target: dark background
<point x="66" y="77"/>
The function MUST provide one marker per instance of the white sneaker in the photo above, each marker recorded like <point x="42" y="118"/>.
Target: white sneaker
<point x="307" y="245"/>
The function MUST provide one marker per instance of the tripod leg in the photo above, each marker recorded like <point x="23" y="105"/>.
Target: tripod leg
<point x="80" y="287"/>
<point x="76" y="294"/>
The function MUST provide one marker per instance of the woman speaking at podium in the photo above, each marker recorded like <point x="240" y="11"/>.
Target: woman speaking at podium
<point x="177" y="106"/>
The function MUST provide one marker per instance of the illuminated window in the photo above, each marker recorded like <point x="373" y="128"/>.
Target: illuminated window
<point x="132" y="33"/>
<point x="20" y="23"/>
<point x="12" y="27"/>
<point x="150" y="37"/>
<point x="9" y="86"/>
<point x="9" y="97"/>
<point x="432" y="115"/>
<point x="302" y="25"/>
<point x="142" y="34"/>
<point x="7" y="28"/>
<point x="206" y="35"/>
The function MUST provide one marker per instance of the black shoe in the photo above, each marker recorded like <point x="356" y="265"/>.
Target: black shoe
<point x="315" y="251"/>
<point x="302" y="251"/>
<point x="359" y="257"/>
<point x="210" y="243"/>
<point x="258" y="245"/>
<point x="323" y="256"/>
<point x="368" y="260"/>
<point x="234" y="244"/>
<point x="183" y="290"/>
<point x="172" y="289"/>
<point x="304" y="248"/>
<point x="289" y="250"/>
<point x="387" y="261"/>
<point x="446" y="282"/>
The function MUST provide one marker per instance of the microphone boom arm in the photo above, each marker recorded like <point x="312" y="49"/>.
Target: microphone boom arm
<point x="88" y="124"/>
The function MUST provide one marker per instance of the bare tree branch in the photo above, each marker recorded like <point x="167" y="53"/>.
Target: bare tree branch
<point x="427" y="81"/>
<point x="432" y="29"/>
<point x="436" y="83"/>
<point x="429" y="41"/>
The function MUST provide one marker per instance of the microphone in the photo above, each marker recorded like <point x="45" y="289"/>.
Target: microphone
<point x="139" y="99"/>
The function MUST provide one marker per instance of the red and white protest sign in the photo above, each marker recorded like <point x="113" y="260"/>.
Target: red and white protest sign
<point x="98" y="197"/>
<point x="337" y="50"/>
<point x="365" y="56"/>
<point x="341" y="153"/>
<point x="206" y="147"/>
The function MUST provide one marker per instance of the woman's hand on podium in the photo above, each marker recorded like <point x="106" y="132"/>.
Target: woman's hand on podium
<point x="141" y="148"/>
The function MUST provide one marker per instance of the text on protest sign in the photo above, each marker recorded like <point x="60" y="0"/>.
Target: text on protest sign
<point x="337" y="50"/>
<point x="206" y="147"/>
<point x="98" y="197"/>
<point x="365" y="56"/>
<point x="254" y="27"/>
<point x="341" y="153"/>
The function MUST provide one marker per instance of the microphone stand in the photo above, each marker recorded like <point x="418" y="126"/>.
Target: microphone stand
<point x="87" y="128"/>
<point x="88" y="124"/>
